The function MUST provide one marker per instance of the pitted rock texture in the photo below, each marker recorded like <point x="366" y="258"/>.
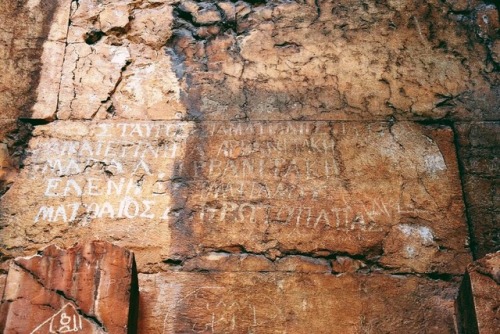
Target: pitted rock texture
<point x="14" y="138"/>
<point x="33" y="42"/>
<point x="293" y="303"/>
<point x="478" y="301"/>
<point x="276" y="166"/>
<point x="115" y="64"/>
<point x="90" y="288"/>
<point x="336" y="60"/>
<point x="174" y="190"/>
<point x="274" y="60"/>
<point x="277" y="188"/>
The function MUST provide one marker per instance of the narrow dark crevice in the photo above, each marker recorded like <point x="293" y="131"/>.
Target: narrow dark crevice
<point x="34" y="121"/>
<point x="370" y="264"/>
<point x="134" y="301"/>
<point x="466" y="309"/>
<point x="436" y="122"/>
<point x="462" y="174"/>
<point x="92" y="319"/>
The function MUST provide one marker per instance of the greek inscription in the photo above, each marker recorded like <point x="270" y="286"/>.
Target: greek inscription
<point x="339" y="218"/>
<point x="128" y="207"/>
<point x="271" y="128"/>
<point x="118" y="161"/>
<point x="307" y="169"/>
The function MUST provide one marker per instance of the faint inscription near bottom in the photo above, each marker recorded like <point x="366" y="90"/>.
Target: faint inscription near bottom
<point x="66" y="320"/>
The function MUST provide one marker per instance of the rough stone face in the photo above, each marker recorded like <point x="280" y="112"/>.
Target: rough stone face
<point x="479" y="152"/>
<point x="271" y="60"/>
<point x="14" y="137"/>
<point x="7" y="163"/>
<point x="90" y="288"/>
<point x="335" y="59"/>
<point x="172" y="190"/>
<point x="293" y="303"/>
<point x="478" y="301"/>
<point x="115" y="65"/>
<point x="225" y="262"/>
<point x="32" y="39"/>
<point x="276" y="166"/>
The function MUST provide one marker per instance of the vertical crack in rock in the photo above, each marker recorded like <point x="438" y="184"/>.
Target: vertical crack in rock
<point x="461" y="169"/>
<point x="110" y="109"/>
<point x="73" y="7"/>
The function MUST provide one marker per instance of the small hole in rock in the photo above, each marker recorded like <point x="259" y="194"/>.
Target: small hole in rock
<point x="93" y="36"/>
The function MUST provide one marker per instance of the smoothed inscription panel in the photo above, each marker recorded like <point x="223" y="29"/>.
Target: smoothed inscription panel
<point x="108" y="180"/>
<point x="386" y="191"/>
<point x="293" y="303"/>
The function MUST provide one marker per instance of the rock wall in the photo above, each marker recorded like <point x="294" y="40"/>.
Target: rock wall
<point x="276" y="166"/>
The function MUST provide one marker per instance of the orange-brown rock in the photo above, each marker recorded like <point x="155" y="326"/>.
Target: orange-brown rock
<point x="227" y="262"/>
<point x="90" y="288"/>
<point x="115" y="65"/>
<point x="276" y="166"/>
<point x="10" y="151"/>
<point x="478" y="302"/>
<point x="386" y="192"/>
<point x="259" y="60"/>
<point x="293" y="303"/>
<point x="33" y="42"/>
<point x="114" y="181"/>
<point x="336" y="59"/>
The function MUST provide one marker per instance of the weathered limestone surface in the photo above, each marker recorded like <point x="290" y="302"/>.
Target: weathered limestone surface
<point x="276" y="166"/>
<point x="115" y="64"/>
<point x="293" y="303"/>
<point x="274" y="60"/>
<point x="32" y="40"/>
<point x="479" y="152"/>
<point x="14" y="136"/>
<point x="336" y="59"/>
<point x="175" y="190"/>
<point x="479" y="297"/>
<point x="90" y="288"/>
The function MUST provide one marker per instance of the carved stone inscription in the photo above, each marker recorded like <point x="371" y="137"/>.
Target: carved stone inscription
<point x="136" y="160"/>
<point x="110" y="180"/>
<point x="179" y="189"/>
<point x="318" y="187"/>
<point x="293" y="303"/>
